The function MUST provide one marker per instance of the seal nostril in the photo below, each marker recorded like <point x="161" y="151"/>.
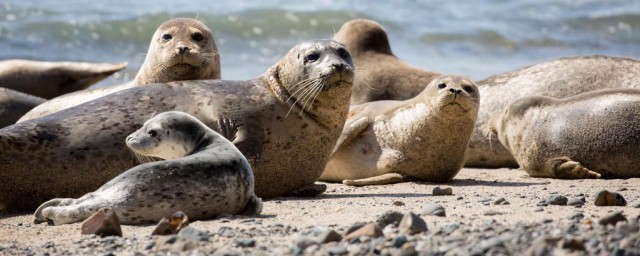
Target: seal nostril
<point x="339" y="66"/>
<point x="182" y="49"/>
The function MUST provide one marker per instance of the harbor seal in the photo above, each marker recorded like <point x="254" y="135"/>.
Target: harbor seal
<point x="285" y="122"/>
<point x="180" y="49"/>
<point x="422" y="138"/>
<point x="559" y="78"/>
<point x="591" y="135"/>
<point x="51" y="79"/>
<point x="380" y="75"/>
<point x="14" y="104"/>
<point x="204" y="175"/>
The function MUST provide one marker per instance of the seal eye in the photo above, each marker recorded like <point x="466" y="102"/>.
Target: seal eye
<point x="468" y="89"/>
<point x="197" y="37"/>
<point x="152" y="133"/>
<point x="312" y="57"/>
<point x="442" y="86"/>
<point x="343" y="53"/>
<point x="166" y="37"/>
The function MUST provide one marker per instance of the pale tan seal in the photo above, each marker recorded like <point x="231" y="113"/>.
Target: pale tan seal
<point x="590" y="135"/>
<point x="180" y="49"/>
<point x="52" y="79"/>
<point x="285" y="122"/>
<point x="558" y="78"/>
<point x="380" y="75"/>
<point x="204" y="176"/>
<point x="423" y="138"/>
<point x="14" y="104"/>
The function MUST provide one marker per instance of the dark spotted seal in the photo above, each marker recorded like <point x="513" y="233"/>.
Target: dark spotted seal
<point x="285" y="122"/>
<point x="422" y="138"/>
<point x="205" y="176"/>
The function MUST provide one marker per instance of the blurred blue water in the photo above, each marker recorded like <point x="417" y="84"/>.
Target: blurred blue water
<point x="475" y="38"/>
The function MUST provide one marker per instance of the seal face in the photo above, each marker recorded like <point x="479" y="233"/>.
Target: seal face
<point x="380" y="75"/>
<point x="285" y="122"/>
<point x="422" y="138"/>
<point x="208" y="177"/>
<point x="590" y="135"/>
<point x="180" y="49"/>
<point x="558" y="78"/>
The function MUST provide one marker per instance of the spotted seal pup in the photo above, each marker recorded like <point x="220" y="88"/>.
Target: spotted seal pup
<point x="180" y="49"/>
<point x="422" y="138"/>
<point x="591" y="135"/>
<point x="285" y="122"/>
<point x="204" y="175"/>
<point x="380" y="75"/>
<point x="48" y="80"/>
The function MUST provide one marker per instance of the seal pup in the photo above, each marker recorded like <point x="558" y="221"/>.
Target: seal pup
<point x="180" y="49"/>
<point x="51" y="79"/>
<point x="204" y="175"/>
<point x="380" y="75"/>
<point x="14" y="104"/>
<point x="422" y="138"/>
<point x="559" y="78"/>
<point x="591" y="135"/>
<point x="285" y="122"/>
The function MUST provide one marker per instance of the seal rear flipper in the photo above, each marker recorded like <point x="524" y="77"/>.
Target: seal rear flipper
<point x="253" y="207"/>
<point x="310" y="190"/>
<point x="384" y="179"/>
<point x="565" y="168"/>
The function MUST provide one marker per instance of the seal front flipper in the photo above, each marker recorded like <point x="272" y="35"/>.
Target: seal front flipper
<point x="565" y="168"/>
<point x="351" y="131"/>
<point x="311" y="190"/>
<point x="384" y="179"/>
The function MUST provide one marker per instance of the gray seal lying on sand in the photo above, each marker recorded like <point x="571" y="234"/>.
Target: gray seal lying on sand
<point x="52" y="79"/>
<point x="422" y="138"/>
<point x="590" y="135"/>
<point x="180" y="49"/>
<point x="205" y="175"/>
<point x="285" y="122"/>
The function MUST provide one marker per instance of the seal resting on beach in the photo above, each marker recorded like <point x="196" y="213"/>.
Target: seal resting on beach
<point x="380" y="75"/>
<point x="180" y="49"/>
<point x="590" y="135"/>
<point x="423" y="138"/>
<point x="204" y="175"/>
<point x="51" y="79"/>
<point x="285" y="122"/>
<point x="14" y="104"/>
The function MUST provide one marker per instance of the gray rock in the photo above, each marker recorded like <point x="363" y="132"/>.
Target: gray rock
<point x="389" y="217"/>
<point x="538" y="209"/>
<point x="328" y="236"/>
<point x="433" y="209"/>
<point x="499" y="201"/>
<point x="412" y="224"/>
<point x="398" y="241"/>
<point x="438" y="191"/>
<point x="606" y="198"/>
<point x="557" y="200"/>
<point x="577" y="216"/>
<point x="338" y="250"/>
<point x="575" y="201"/>
<point x="612" y="219"/>
<point x="355" y="226"/>
<point x="370" y="230"/>
<point x="246" y="242"/>
<point x="194" y="234"/>
<point x="174" y="243"/>
<point x="491" y="213"/>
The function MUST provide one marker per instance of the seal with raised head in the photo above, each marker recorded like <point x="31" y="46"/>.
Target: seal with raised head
<point x="423" y="138"/>
<point x="590" y="135"/>
<point x="180" y="49"/>
<point x="558" y="78"/>
<point x="14" y="104"/>
<point x="380" y="75"/>
<point x="285" y="122"/>
<point x="52" y="79"/>
<point x="204" y="175"/>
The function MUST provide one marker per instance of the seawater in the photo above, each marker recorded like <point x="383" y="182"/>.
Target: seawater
<point x="474" y="38"/>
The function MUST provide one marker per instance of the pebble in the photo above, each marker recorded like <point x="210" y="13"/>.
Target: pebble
<point x="174" y="243"/>
<point x="355" y="226"/>
<point x="557" y="200"/>
<point x="104" y="222"/>
<point x="572" y="244"/>
<point x="338" y="250"/>
<point x="246" y="242"/>
<point x="194" y="234"/>
<point x="606" y="198"/>
<point x="433" y="209"/>
<point x="389" y="218"/>
<point x="412" y="224"/>
<point x="501" y="201"/>
<point x="538" y="209"/>
<point x="576" y="201"/>
<point x="399" y="241"/>
<point x="438" y="191"/>
<point x="328" y="236"/>
<point x="398" y="203"/>
<point x="371" y="230"/>
<point x="577" y="216"/>
<point x="491" y="213"/>
<point x="612" y="219"/>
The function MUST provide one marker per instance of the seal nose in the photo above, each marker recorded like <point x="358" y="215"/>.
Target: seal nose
<point x="339" y="66"/>
<point x="455" y="91"/>
<point x="182" y="49"/>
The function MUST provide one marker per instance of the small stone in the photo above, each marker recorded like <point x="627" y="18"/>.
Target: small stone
<point x="637" y="205"/>
<point x="606" y="198"/>
<point x="163" y="228"/>
<point x="338" y="251"/>
<point x="389" y="217"/>
<point x="398" y="203"/>
<point x="399" y="241"/>
<point x="491" y="213"/>
<point x="575" y="202"/>
<point x="412" y="224"/>
<point x="103" y="223"/>
<point x="577" y="216"/>
<point x="433" y="209"/>
<point x="174" y="243"/>
<point x="557" y="200"/>
<point x="538" y="209"/>
<point x="499" y="201"/>
<point x="572" y="244"/>
<point x="178" y="221"/>
<point x="355" y="226"/>
<point x="371" y="230"/>
<point x="612" y="219"/>
<point x="194" y="234"/>
<point x="246" y="242"/>
<point x="623" y="189"/>
<point x="328" y="236"/>
<point x="437" y="191"/>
